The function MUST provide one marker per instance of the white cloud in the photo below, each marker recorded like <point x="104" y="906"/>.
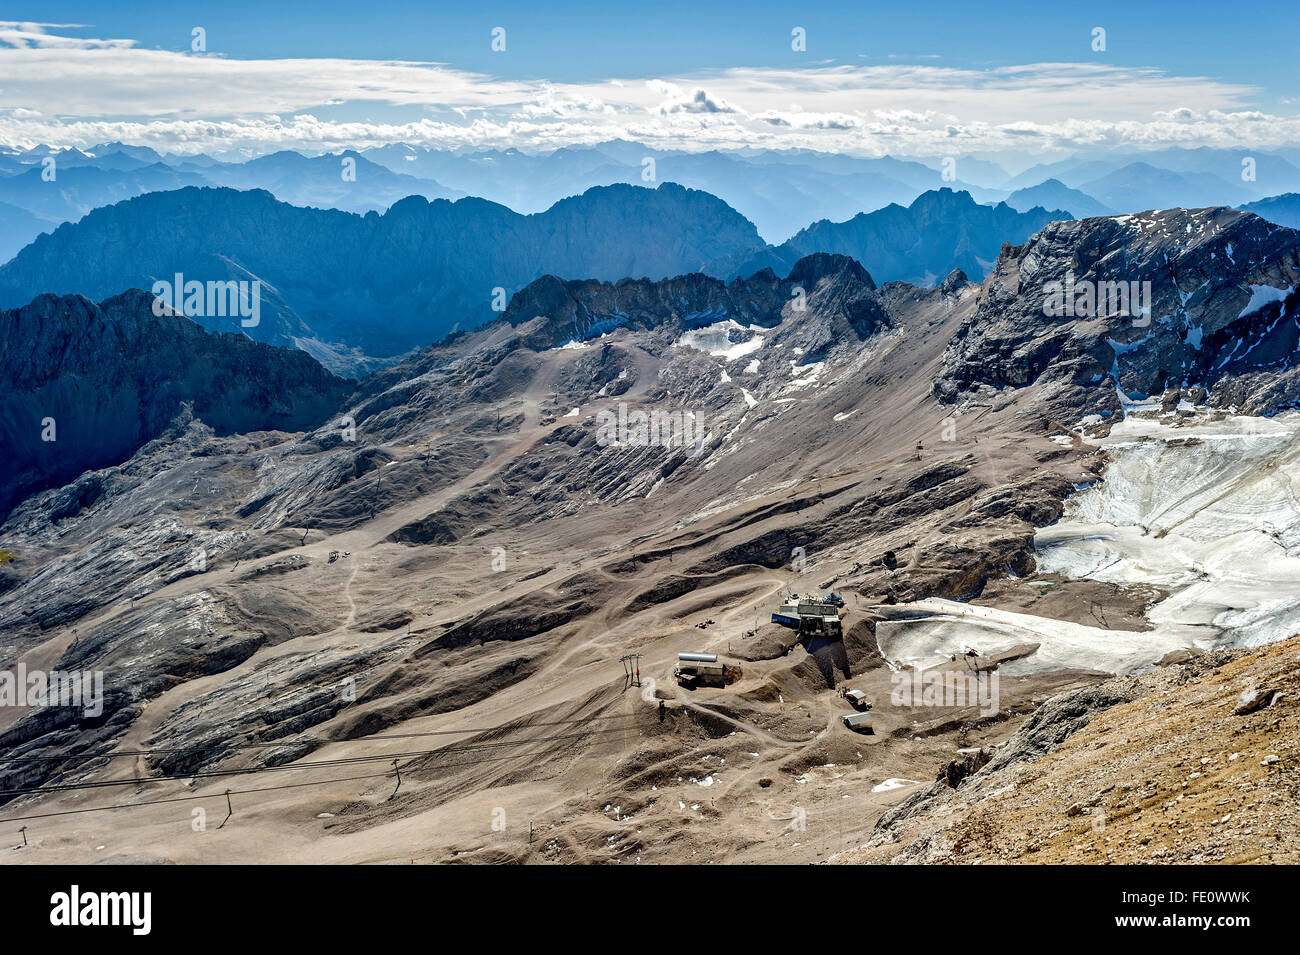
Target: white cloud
<point x="679" y="101"/>
<point x="72" y="91"/>
<point x="37" y="36"/>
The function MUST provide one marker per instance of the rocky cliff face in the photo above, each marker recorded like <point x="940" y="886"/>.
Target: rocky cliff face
<point x="1203" y="301"/>
<point x="86" y="385"/>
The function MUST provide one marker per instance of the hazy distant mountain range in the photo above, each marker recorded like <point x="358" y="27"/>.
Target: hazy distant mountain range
<point x="1054" y="194"/>
<point x="334" y="282"/>
<point x="17" y="228"/>
<point x="781" y="192"/>
<point x="82" y="182"/>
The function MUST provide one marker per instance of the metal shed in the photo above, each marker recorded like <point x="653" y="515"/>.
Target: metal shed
<point x="858" y="722"/>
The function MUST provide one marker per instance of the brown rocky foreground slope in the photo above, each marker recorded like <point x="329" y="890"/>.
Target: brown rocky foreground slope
<point x="448" y="592"/>
<point x="1199" y="765"/>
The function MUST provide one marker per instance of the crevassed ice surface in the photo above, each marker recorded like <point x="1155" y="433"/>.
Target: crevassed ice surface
<point x="1206" y="511"/>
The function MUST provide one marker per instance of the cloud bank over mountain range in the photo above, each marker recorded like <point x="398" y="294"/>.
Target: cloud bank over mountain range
<point x="66" y="87"/>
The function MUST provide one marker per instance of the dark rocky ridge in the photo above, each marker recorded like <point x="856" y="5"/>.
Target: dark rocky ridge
<point x="582" y="310"/>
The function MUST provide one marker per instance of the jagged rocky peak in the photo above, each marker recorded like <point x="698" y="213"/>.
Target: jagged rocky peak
<point x="955" y="281"/>
<point x="812" y="269"/>
<point x="1154" y="301"/>
<point x="832" y="299"/>
<point x="86" y="385"/>
<point x="551" y="312"/>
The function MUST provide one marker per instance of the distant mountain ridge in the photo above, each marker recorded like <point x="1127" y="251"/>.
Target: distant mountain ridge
<point x="1054" y="194"/>
<point x="1282" y="210"/>
<point x="1247" y="174"/>
<point x="336" y="283"/>
<point x="780" y="191"/>
<point x="17" y="228"/>
<point x="350" y="289"/>
<point x="82" y="182"/>
<point x="940" y="231"/>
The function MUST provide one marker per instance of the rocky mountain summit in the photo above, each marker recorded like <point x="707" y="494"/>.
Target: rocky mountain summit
<point x="579" y="311"/>
<point x="1118" y="308"/>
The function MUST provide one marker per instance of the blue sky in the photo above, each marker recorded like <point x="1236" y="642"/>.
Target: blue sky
<point x="912" y="78"/>
<point x="580" y="39"/>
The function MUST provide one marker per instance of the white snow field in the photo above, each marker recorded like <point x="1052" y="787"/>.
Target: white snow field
<point x="927" y="632"/>
<point x="1206" y="511"/>
<point x="716" y="339"/>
